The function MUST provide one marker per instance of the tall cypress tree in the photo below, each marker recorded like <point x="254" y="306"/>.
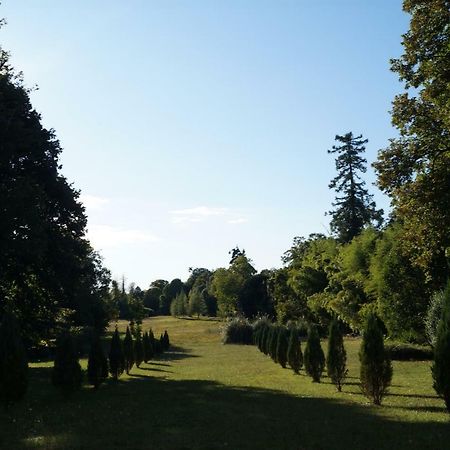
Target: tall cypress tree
<point x="166" y="340"/>
<point x="128" y="351"/>
<point x="152" y="346"/>
<point x="116" y="356"/>
<point x="282" y="347"/>
<point x="314" y="357"/>
<point x="146" y="345"/>
<point x="13" y="362"/>
<point x="294" y="355"/>
<point x="376" y="367"/>
<point x="67" y="373"/>
<point x="274" y="342"/>
<point x="139" y="349"/>
<point x="355" y="208"/>
<point x="441" y="366"/>
<point x="336" y="355"/>
<point x="97" y="369"/>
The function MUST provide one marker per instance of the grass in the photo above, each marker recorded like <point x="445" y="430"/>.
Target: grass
<point x="205" y="395"/>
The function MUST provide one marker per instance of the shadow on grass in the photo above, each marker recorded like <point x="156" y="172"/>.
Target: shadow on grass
<point x="173" y="354"/>
<point x="143" y="412"/>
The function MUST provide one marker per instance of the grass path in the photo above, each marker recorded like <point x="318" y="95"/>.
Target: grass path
<point x="205" y="395"/>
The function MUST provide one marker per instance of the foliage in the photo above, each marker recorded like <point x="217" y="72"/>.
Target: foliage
<point x="355" y="209"/>
<point x="170" y="292"/>
<point x="294" y="353"/>
<point x="336" y="355"/>
<point x="433" y="316"/>
<point x="376" y="367"/>
<point x="13" y="362"/>
<point x="237" y="331"/>
<point x="116" y="356"/>
<point x="179" y="305"/>
<point x="441" y="366"/>
<point x="400" y="351"/>
<point x="196" y="303"/>
<point x="282" y="346"/>
<point x="128" y="351"/>
<point x="139" y="350"/>
<point x="166" y="340"/>
<point x="97" y="369"/>
<point x="314" y="358"/>
<point x="147" y="351"/>
<point x="67" y="373"/>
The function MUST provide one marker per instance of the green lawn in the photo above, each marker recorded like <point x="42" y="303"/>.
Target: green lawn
<point x="205" y="395"/>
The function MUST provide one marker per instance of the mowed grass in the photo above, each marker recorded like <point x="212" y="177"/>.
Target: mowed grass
<point x="205" y="395"/>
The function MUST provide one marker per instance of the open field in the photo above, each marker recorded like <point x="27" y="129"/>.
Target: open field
<point x="205" y="395"/>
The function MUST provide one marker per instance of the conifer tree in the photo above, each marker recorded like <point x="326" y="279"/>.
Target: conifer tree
<point x="336" y="355"/>
<point x="282" y="347"/>
<point x="376" y="367"/>
<point x="97" y="369"/>
<point x="13" y="362"/>
<point x="161" y="343"/>
<point x="274" y="342"/>
<point x="166" y="340"/>
<point x="139" y="350"/>
<point x="67" y="373"/>
<point x="267" y="338"/>
<point x="294" y="355"/>
<point x="314" y="358"/>
<point x="116" y="356"/>
<point x="128" y="351"/>
<point x="441" y="365"/>
<point x="146" y="344"/>
<point x="152" y="346"/>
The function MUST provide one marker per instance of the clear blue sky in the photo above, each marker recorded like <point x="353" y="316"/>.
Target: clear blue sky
<point x="193" y="126"/>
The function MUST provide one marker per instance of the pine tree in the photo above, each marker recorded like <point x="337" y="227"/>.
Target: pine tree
<point x="67" y="373"/>
<point x="376" y="367"/>
<point x="267" y="338"/>
<point x="146" y="344"/>
<point x="97" y="369"/>
<point x="294" y="355"/>
<point x="139" y="350"/>
<point x="282" y="347"/>
<point x="274" y="342"/>
<point x="166" y="340"/>
<point x="161" y="343"/>
<point x="116" y="356"/>
<point x="314" y="357"/>
<point x="128" y="351"/>
<point x="13" y="362"/>
<point x="355" y="208"/>
<point x="336" y="355"/>
<point x="152" y="346"/>
<point x="441" y="366"/>
<point x="196" y="304"/>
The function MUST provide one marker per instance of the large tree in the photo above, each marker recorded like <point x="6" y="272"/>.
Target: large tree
<point x="415" y="169"/>
<point x="354" y="207"/>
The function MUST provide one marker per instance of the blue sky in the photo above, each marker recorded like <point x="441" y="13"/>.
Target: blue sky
<point x="194" y="126"/>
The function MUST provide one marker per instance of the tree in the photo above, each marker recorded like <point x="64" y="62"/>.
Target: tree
<point x="67" y="373"/>
<point x="170" y="291"/>
<point x="128" y="351"/>
<point x="166" y="340"/>
<point x="146" y="345"/>
<point x="139" y="350"/>
<point x="97" y="369"/>
<point x="415" y="169"/>
<point x="274" y="342"/>
<point x="13" y="363"/>
<point x="336" y="355"/>
<point x="196" y="303"/>
<point x="376" y="367"/>
<point x="314" y="358"/>
<point x="282" y="347"/>
<point x="116" y="356"/>
<point x="441" y="366"/>
<point x="153" y="346"/>
<point x="355" y="208"/>
<point x="179" y="306"/>
<point x="294" y="354"/>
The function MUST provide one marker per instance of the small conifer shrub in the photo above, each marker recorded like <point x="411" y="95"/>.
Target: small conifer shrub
<point x="128" y="351"/>
<point x="67" y="374"/>
<point x="13" y="362"/>
<point x="145" y="344"/>
<point x="282" y="347"/>
<point x="294" y="355"/>
<point x="274" y="343"/>
<point x="97" y="370"/>
<point x="162" y="346"/>
<point x="139" y="350"/>
<point x="151" y="348"/>
<point x="336" y="356"/>
<point x="116" y="356"/>
<point x="314" y="358"/>
<point x="166" y="340"/>
<point x="376" y="367"/>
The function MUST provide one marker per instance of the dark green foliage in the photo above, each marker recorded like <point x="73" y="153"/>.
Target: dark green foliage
<point x="146" y="345"/>
<point x="13" y="362"/>
<point x="336" y="356"/>
<point x="433" y="316"/>
<point x="282" y="346"/>
<point x="151" y="347"/>
<point x="441" y="366"/>
<point x="376" y="367"/>
<point x="139" y="350"/>
<point x="314" y="358"/>
<point x="273" y="343"/>
<point x="116" y="356"/>
<point x="238" y="331"/>
<point x="409" y="352"/>
<point x="161" y="343"/>
<point x="294" y="354"/>
<point x="97" y="369"/>
<point x="268" y="340"/>
<point x="128" y="351"/>
<point x="67" y="373"/>
<point x="166" y="340"/>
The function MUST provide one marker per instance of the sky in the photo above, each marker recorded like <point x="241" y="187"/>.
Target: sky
<point x="194" y="126"/>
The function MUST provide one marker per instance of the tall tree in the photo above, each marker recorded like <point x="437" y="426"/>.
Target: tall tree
<point x="116" y="356"/>
<point x="314" y="358"/>
<point x="128" y="351"/>
<point x="415" y="169"/>
<point x="355" y="207"/>
<point x="294" y="354"/>
<point x="336" y="355"/>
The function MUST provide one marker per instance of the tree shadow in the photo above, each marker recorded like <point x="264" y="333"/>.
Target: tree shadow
<point x="156" y="369"/>
<point x="149" y="412"/>
<point x="174" y="353"/>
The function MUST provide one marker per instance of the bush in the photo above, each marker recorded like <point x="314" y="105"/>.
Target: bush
<point x="67" y="373"/>
<point x="294" y="355"/>
<point x="13" y="362"/>
<point x="314" y="358"/>
<point x="433" y="316"/>
<point x="166" y="340"/>
<point x="238" y="331"/>
<point x="274" y="342"/>
<point x="116" y="356"/>
<point x="336" y="357"/>
<point x="376" y="367"/>
<point x="128" y="351"/>
<point x="97" y="363"/>
<point x="139" y="350"/>
<point x="408" y="352"/>
<point x="282" y="347"/>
